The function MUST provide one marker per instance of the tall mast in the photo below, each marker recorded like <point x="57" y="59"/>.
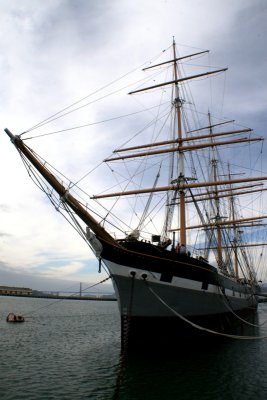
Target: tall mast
<point x="217" y="202"/>
<point x="180" y="181"/>
<point x="178" y="104"/>
<point x="235" y="228"/>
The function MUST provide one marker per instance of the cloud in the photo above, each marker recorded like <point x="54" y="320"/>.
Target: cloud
<point x="60" y="51"/>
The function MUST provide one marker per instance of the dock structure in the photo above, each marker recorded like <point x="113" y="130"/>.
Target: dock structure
<point x="15" y="291"/>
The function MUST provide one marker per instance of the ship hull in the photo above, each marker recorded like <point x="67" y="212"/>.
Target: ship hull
<point x="174" y="335"/>
<point x="163" y="295"/>
<point x="142" y="294"/>
<point x="154" y="311"/>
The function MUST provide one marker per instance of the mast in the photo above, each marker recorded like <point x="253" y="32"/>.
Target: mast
<point x="235" y="229"/>
<point x="180" y="179"/>
<point x="214" y="162"/>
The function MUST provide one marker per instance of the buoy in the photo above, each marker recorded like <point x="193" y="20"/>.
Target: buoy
<point x="14" y="318"/>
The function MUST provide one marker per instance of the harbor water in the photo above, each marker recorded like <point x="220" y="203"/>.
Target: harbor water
<point x="70" y="350"/>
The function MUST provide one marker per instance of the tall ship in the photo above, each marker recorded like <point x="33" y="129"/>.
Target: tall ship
<point x="175" y="230"/>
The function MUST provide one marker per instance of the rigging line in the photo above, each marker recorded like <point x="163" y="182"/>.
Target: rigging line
<point x="118" y="198"/>
<point x="154" y="137"/>
<point x="251" y="202"/>
<point x="90" y="124"/>
<point x="84" y="176"/>
<point x="237" y="165"/>
<point x="208" y="232"/>
<point x="223" y="93"/>
<point x="177" y="45"/>
<point x="70" y="184"/>
<point x="145" y="211"/>
<point x="227" y="303"/>
<point x="75" y="224"/>
<point x="259" y="157"/>
<point x="74" y="294"/>
<point x="39" y="178"/>
<point x="49" y="119"/>
<point x="129" y="181"/>
<point x="105" y="269"/>
<point x="210" y="87"/>
<point x="75" y="109"/>
<point x="186" y="90"/>
<point x="113" y="216"/>
<point x="56" y="202"/>
<point x="42" y="185"/>
<point x="145" y="161"/>
<point x="224" y="119"/>
<point x="198" y="326"/>
<point x="114" y="204"/>
<point x="95" y="213"/>
<point x="148" y="125"/>
<point x="98" y="283"/>
<point x="245" y="265"/>
<point x="162" y="200"/>
<point x="126" y="179"/>
<point x="106" y="210"/>
<point x="120" y="185"/>
<point x="42" y="160"/>
<point x="250" y="271"/>
<point x="32" y="173"/>
<point x="188" y="63"/>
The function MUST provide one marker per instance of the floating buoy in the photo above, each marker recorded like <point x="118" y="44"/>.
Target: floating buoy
<point x="14" y="318"/>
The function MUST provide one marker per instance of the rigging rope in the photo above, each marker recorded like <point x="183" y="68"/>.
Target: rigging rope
<point x="57" y="203"/>
<point x="228" y="305"/>
<point x="74" y="294"/>
<point x="57" y="114"/>
<point x="89" y="124"/>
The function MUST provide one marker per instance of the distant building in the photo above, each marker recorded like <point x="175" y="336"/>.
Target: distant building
<point x="15" y="291"/>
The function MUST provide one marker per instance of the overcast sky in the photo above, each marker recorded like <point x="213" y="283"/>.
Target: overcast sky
<point x="54" y="52"/>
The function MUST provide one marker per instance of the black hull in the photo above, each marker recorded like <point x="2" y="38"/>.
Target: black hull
<point x="161" y="292"/>
<point x="142" y="255"/>
<point x="171" y="333"/>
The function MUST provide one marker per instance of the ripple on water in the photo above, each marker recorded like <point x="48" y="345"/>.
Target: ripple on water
<point x="60" y="353"/>
<point x="70" y="350"/>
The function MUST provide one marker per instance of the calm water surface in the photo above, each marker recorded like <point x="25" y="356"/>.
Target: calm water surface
<point x="71" y="350"/>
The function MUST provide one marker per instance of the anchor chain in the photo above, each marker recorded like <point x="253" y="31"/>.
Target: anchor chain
<point x="125" y="333"/>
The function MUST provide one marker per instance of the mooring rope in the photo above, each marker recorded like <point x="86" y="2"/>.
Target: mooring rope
<point x="228" y="305"/>
<point x="60" y="300"/>
<point x="198" y="326"/>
